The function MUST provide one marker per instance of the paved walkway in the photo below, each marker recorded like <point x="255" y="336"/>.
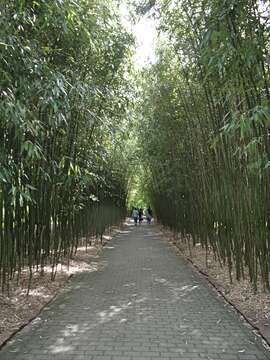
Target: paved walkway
<point x="145" y="303"/>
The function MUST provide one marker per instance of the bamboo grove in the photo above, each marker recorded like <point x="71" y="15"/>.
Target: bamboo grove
<point x="205" y="141"/>
<point x="63" y="93"/>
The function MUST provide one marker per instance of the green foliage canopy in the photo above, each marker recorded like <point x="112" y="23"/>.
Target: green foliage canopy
<point x="205" y="105"/>
<point x="64" y="94"/>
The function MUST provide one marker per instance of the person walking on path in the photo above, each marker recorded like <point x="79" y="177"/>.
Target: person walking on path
<point x="140" y="216"/>
<point x="149" y="215"/>
<point x="135" y="215"/>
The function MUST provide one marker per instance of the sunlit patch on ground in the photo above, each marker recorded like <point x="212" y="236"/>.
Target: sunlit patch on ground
<point x="119" y="311"/>
<point x="175" y="290"/>
<point x="16" y="308"/>
<point x="59" y="349"/>
<point x="255" y="306"/>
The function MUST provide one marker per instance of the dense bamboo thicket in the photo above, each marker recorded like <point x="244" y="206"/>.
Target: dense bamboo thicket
<point x="63" y="94"/>
<point x="206" y="108"/>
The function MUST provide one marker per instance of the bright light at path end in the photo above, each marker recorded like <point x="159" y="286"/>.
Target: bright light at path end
<point x="145" y="33"/>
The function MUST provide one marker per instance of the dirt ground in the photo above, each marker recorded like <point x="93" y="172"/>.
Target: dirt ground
<point x="17" y="309"/>
<point x="254" y="307"/>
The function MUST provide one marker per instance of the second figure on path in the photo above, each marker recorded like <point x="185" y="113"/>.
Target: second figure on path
<point x="135" y="215"/>
<point x="140" y="216"/>
<point x="149" y="215"/>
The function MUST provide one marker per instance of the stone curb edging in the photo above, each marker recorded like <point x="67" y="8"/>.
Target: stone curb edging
<point x="265" y="341"/>
<point x="29" y="321"/>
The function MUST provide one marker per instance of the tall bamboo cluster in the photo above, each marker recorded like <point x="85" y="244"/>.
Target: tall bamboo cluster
<point x="206" y="107"/>
<point x="63" y="94"/>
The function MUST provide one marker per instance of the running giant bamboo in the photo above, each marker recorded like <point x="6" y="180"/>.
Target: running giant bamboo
<point x="63" y="69"/>
<point x="207" y="101"/>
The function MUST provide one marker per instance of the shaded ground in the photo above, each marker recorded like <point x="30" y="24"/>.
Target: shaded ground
<point x="144" y="302"/>
<point x="17" y="309"/>
<point x="255" y="307"/>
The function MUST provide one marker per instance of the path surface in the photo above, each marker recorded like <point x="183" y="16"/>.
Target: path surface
<point x="144" y="303"/>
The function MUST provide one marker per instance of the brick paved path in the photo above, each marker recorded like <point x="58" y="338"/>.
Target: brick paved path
<point x="145" y="303"/>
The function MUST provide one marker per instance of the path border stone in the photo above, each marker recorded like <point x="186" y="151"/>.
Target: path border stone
<point x="56" y="294"/>
<point x="214" y="286"/>
<point x="32" y="318"/>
